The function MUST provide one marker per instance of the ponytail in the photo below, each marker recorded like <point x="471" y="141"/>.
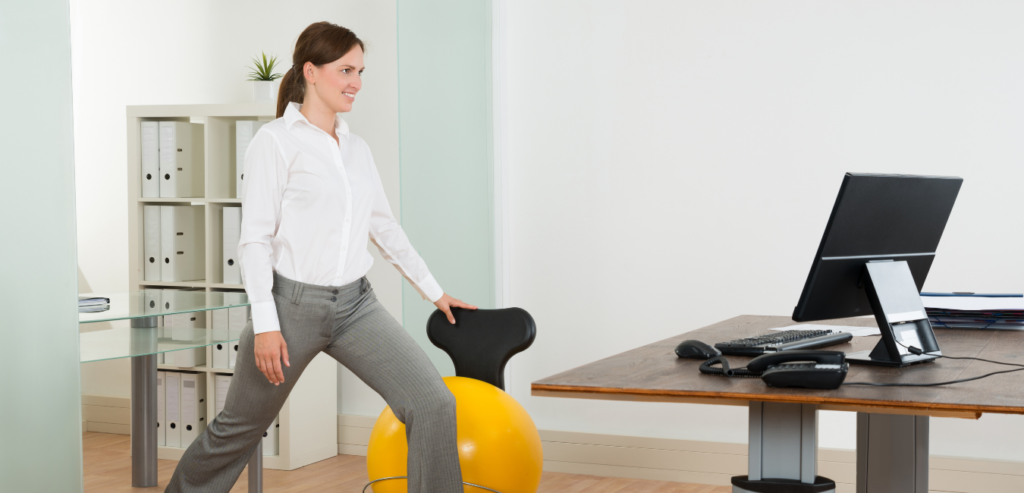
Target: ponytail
<point x="320" y="43"/>
<point x="293" y="89"/>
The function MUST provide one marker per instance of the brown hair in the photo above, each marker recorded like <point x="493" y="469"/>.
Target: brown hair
<point x="320" y="43"/>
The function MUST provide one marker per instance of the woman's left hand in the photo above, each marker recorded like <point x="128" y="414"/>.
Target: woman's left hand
<point x="446" y="303"/>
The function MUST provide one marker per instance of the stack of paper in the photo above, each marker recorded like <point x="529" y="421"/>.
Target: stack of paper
<point x="975" y="311"/>
<point x="91" y="304"/>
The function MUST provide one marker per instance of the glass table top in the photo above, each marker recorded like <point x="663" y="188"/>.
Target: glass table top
<point x="98" y="342"/>
<point x="126" y="342"/>
<point x="157" y="302"/>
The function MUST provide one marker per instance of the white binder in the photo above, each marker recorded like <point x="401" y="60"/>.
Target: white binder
<point x="193" y="406"/>
<point x="181" y="159"/>
<point x="168" y="298"/>
<point x="183" y="330"/>
<point x="221" y="356"/>
<point x="151" y="242"/>
<point x="190" y="358"/>
<point x="172" y="402"/>
<point x="181" y="325"/>
<point x="244" y="132"/>
<point x="182" y="243"/>
<point x="152" y="300"/>
<point x="237" y="319"/>
<point x="221" y="385"/>
<point x="270" y="438"/>
<point x="150" y="159"/>
<point x="232" y="354"/>
<point x="232" y="230"/>
<point x="161" y="425"/>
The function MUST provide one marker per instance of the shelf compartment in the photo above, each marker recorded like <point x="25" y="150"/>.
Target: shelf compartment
<point x="215" y="245"/>
<point x="221" y="155"/>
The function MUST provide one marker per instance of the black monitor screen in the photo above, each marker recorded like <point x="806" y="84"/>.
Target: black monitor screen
<point x="875" y="217"/>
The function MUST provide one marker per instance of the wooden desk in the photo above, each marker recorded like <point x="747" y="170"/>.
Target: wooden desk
<point x="892" y="432"/>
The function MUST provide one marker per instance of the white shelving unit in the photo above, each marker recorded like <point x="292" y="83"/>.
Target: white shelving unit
<point x="308" y="420"/>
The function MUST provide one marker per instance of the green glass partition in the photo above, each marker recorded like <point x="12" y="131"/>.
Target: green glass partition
<point x="40" y="397"/>
<point x="444" y="98"/>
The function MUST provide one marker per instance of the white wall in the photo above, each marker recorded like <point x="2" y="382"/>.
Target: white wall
<point x="192" y="52"/>
<point x="673" y="164"/>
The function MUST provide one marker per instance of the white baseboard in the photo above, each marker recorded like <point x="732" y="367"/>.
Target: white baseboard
<point x="711" y="463"/>
<point x="106" y="414"/>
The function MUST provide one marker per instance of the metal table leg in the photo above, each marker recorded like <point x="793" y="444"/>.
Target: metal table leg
<point x="783" y="451"/>
<point x="892" y="453"/>
<point x="144" y="452"/>
<point x="256" y="470"/>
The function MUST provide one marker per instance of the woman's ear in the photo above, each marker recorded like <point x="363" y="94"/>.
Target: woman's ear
<point x="308" y="72"/>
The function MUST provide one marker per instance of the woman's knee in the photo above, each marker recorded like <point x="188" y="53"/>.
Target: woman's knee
<point x="438" y="401"/>
<point x="227" y="427"/>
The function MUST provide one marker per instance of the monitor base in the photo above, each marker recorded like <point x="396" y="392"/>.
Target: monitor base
<point x="864" y="358"/>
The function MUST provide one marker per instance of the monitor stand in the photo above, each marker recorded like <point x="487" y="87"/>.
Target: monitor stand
<point x="901" y="317"/>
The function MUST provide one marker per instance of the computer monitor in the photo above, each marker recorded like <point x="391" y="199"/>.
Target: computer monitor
<point x="878" y="246"/>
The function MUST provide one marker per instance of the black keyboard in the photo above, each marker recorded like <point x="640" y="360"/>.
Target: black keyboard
<point x="783" y="340"/>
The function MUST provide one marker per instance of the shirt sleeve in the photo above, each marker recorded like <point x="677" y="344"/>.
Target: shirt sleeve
<point x="266" y="175"/>
<point x="394" y="246"/>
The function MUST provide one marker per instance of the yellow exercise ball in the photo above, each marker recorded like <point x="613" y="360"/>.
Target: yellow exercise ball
<point x="499" y="446"/>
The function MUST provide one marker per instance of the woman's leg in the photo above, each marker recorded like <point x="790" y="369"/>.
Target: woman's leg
<point x="368" y="341"/>
<point x="216" y="458"/>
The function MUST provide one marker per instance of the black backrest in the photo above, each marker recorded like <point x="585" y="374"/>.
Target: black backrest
<point x="482" y="341"/>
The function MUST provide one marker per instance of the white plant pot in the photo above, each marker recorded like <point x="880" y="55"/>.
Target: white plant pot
<point x="264" y="91"/>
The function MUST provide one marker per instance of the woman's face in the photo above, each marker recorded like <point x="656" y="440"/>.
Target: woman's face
<point x="337" y="83"/>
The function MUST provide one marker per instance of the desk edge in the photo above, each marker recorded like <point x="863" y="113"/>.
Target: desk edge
<point x="741" y="399"/>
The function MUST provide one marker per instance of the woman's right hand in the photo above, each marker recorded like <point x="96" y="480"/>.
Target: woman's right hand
<point x="271" y="350"/>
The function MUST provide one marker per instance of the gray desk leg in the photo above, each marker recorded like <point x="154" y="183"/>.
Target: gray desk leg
<point x="144" y="404"/>
<point x="892" y="453"/>
<point x="783" y="450"/>
<point x="256" y="470"/>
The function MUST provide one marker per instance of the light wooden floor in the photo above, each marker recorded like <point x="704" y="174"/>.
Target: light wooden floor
<point x="107" y="466"/>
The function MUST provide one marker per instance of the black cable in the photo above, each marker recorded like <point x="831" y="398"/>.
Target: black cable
<point x="918" y="351"/>
<point x="707" y="369"/>
<point x="936" y="384"/>
<point x="977" y="359"/>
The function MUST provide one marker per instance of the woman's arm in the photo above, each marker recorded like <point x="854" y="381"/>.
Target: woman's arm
<point x="266" y="175"/>
<point x="394" y="246"/>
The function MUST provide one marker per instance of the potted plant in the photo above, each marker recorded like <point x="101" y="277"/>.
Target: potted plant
<point x="264" y="85"/>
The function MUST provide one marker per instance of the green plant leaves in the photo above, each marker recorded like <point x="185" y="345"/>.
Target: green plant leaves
<point x="263" y="71"/>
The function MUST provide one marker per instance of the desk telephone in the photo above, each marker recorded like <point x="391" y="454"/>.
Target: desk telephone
<point x="806" y="369"/>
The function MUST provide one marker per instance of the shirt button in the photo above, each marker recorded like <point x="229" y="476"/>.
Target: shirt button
<point x="347" y="220"/>
<point x="334" y="292"/>
<point x="334" y="298"/>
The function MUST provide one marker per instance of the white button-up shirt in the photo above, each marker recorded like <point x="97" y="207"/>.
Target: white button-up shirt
<point x="308" y="205"/>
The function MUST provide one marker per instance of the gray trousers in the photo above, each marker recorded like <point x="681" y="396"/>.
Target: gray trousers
<point x="348" y="323"/>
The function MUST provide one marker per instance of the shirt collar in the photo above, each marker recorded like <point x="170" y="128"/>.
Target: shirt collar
<point x="292" y="115"/>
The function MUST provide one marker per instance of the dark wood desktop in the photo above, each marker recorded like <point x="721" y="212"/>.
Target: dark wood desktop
<point x="654" y="373"/>
<point x="892" y="422"/>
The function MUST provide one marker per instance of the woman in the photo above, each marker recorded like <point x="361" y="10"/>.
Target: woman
<point x="311" y="197"/>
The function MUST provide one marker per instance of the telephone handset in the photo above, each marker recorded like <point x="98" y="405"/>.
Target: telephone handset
<point x="807" y="369"/>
